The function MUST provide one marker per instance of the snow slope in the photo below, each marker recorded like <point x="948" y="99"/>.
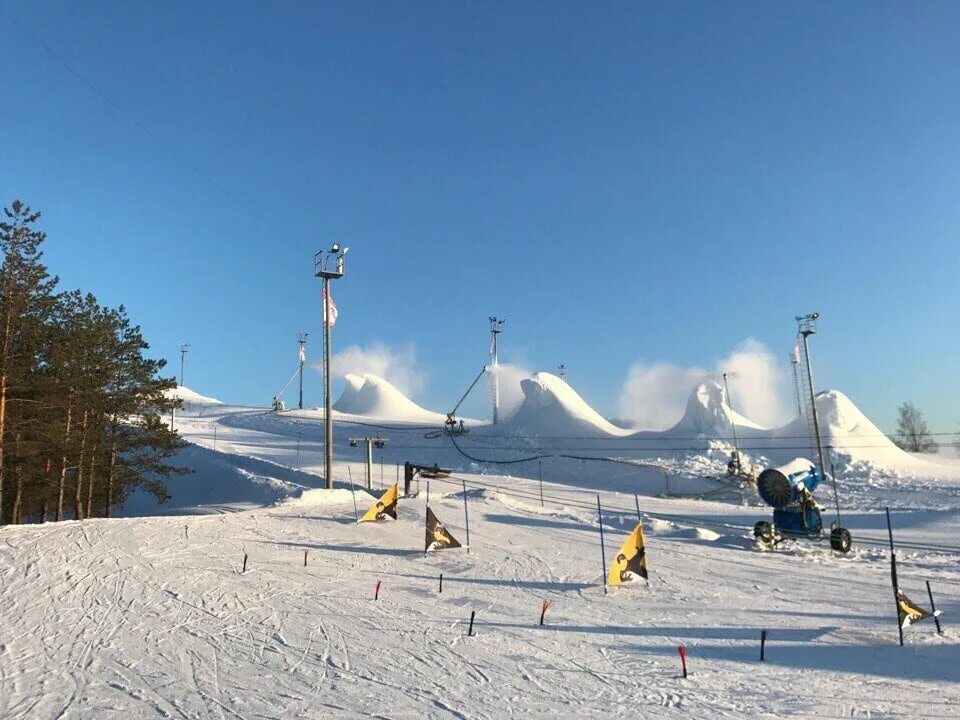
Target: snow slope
<point x="153" y="617"/>
<point x="709" y="414"/>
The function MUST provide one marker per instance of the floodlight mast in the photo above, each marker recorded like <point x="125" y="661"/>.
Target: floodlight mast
<point x="321" y="269"/>
<point x="496" y="327"/>
<point x="807" y="326"/>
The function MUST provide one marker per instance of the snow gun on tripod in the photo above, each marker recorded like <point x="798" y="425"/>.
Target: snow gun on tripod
<point x="789" y="490"/>
<point x="453" y="426"/>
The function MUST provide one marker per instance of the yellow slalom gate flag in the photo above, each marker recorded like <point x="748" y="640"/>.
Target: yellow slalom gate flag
<point x="386" y="507"/>
<point x="909" y="611"/>
<point x="437" y="537"/>
<point x="631" y="562"/>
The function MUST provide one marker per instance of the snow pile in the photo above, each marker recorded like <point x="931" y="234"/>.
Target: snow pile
<point x="321" y="497"/>
<point x="375" y="397"/>
<point x="552" y="408"/>
<point x="191" y="397"/>
<point x="847" y="432"/>
<point x="709" y="414"/>
<point x="348" y="398"/>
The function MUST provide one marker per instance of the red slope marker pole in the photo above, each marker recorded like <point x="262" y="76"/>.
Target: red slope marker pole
<point x="683" y="658"/>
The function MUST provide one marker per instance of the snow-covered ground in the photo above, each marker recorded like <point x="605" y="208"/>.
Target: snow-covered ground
<point x="152" y="617"/>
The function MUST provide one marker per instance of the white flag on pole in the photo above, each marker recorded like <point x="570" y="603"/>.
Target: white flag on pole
<point x="331" y="311"/>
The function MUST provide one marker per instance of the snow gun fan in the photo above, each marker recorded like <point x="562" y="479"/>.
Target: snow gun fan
<point x="789" y="490"/>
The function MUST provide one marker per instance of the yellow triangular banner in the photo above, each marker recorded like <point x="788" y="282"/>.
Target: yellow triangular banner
<point x="385" y="507"/>
<point x="909" y="611"/>
<point x="437" y="536"/>
<point x="631" y="562"/>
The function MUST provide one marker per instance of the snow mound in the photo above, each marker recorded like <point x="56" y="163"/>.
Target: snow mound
<point x="376" y="397"/>
<point x="552" y="408"/>
<point x="189" y="396"/>
<point x="348" y="399"/>
<point x="708" y="413"/>
<point x="320" y="497"/>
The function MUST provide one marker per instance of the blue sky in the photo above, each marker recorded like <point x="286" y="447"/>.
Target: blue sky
<point x="625" y="182"/>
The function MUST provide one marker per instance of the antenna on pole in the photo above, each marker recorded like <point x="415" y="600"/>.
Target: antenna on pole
<point x="322" y="269"/>
<point x="563" y="371"/>
<point x="184" y="348"/>
<point x="496" y="327"/>
<point x="302" y="339"/>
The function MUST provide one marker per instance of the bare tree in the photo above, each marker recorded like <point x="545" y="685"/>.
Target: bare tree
<point x="912" y="432"/>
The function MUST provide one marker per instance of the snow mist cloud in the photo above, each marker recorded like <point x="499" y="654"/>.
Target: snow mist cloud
<point x="511" y="395"/>
<point x="654" y="395"/>
<point x="397" y="365"/>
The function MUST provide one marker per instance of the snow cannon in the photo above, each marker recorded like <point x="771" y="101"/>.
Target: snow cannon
<point x="789" y="490"/>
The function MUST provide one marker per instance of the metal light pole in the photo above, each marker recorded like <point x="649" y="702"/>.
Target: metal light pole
<point x="496" y="327"/>
<point x="794" y="362"/>
<point x="807" y="325"/>
<point x="184" y="347"/>
<point x="322" y="269"/>
<point x="302" y="339"/>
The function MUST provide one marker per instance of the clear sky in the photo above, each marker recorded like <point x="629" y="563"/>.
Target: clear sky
<point x="623" y="182"/>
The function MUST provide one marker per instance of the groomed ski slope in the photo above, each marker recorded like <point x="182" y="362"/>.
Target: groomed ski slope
<point x="152" y="617"/>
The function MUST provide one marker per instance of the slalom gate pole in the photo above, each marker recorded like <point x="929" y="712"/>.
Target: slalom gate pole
<point x="682" y="649"/>
<point x="636" y="499"/>
<point x="473" y="614"/>
<point x="893" y="578"/>
<point x="376" y="592"/>
<point x="304" y="558"/>
<point x="540" y="476"/>
<point x="763" y="644"/>
<point x="933" y="609"/>
<point x="353" y="492"/>
<point x="603" y="552"/>
<point x="466" y="516"/>
<point x="441" y="582"/>
<point x="244" y="562"/>
<point x="543" y="610"/>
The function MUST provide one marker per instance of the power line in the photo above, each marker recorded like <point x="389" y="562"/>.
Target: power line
<point x="168" y="147"/>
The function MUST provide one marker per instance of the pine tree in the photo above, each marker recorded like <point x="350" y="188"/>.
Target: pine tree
<point x="912" y="432"/>
<point x="26" y="301"/>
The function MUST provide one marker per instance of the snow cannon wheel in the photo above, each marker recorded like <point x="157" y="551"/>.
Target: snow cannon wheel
<point x="840" y="540"/>
<point x="763" y="531"/>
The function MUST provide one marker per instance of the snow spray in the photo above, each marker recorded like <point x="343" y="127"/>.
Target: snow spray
<point x="682" y="649"/>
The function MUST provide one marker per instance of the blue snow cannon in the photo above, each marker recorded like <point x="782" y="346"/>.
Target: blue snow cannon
<point x="789" y="490"/>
